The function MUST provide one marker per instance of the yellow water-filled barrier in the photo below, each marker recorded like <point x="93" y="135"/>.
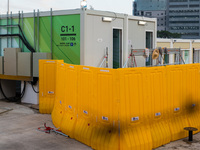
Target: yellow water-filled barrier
<point x="155" y="100"/>
<point x="106" y="105"/>
<point x="47" y="85"/>
<point x="193" y="96"/>
<point x="177" y="96"/>
<point x="135" y="132"/>
<point x="85" y="120"/>
<point x="133" y="108"/>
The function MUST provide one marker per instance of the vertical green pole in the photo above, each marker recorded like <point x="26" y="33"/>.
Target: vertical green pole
<point x="34" y="29"/>
<point x="38" y="31"/>
<point x="7" y="28"/>
<point x="0" y="40"/>
<point x="11" y="28"/>
<point x="19" y="25"/>
<point x="51" y="34"/>
<point x="22" y="30"/>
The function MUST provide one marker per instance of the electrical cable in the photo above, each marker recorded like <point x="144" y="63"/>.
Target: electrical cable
<point x="34" y="82"/>
<point x="34" y="89"/>
<point x="18" y="35"/>
<point x="13" y="99"/>
<point x="21" y="36"/>
<point x="30" y="48"/>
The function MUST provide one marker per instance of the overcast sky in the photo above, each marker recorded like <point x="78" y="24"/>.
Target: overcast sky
<point x="119" y="6"/>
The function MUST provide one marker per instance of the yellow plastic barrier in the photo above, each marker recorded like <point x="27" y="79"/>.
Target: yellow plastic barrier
<point x="176" y="95"/>
<point x="70" y="100"/>
<point x="193" y="96"/>
<point x="155" y="88"/>
<point x="59" y="107"/>
<point x="137" y="108"/>
<point x="135" y="132"/>
<point x="47" y="84"/>
<point x="85" y="106"/>
<point x="106" y="103"/>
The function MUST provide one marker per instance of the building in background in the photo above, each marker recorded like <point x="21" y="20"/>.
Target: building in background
<point x="183" y="16"/>
<point x="152" y="9"/>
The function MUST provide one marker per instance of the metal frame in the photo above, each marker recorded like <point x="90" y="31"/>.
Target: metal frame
<point x="105" y="59"/>
<point x="141" y="52"/>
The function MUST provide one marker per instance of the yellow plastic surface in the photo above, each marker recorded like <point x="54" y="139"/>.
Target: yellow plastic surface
<point x="47" y="84"/>
<point x="177" y="96"/>
<point x="85" y="120"/>
<point x="134" y="108"/>
<point x="106" y="102"/>
<point x="135" y="130"/>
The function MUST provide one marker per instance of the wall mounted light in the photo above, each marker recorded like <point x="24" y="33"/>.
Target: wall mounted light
<point x="142" y="23"/>
<point x="107" y="19"/>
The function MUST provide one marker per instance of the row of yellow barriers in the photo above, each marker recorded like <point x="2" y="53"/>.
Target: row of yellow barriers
<point x="133" y="108"/>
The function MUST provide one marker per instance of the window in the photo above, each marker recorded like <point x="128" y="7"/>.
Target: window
<point x="193" y="5"/>
<point x="186" y="17"/>
<point x="148" y="13"/>
<point x="184" y="11"/>
<point x="178" y="0"/>
<point x="184" y="22"/>
<point x="184" y="28"/>
<point x="178" y="6"/>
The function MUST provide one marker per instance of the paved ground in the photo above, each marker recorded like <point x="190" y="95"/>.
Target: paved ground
<point x="183" y="144"/>
<point x="18" y="131"/>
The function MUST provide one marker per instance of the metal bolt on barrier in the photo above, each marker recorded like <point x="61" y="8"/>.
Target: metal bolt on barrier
<point x="190" y="130"/>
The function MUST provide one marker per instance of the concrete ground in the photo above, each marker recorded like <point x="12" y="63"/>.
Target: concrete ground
<point x="18" y="131"/>
<point x="183" y="144"/>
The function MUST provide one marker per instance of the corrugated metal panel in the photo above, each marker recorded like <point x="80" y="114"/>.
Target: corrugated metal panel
<point x="106" y="133"/>
<point x="47" y="84"/>
<point x="163" y="44"/>
<point x="85" y="121"/>
<point x="183" y="45"/>
<point x="134" y="125"/>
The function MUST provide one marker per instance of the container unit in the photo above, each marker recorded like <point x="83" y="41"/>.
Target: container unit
<point x="117" y="34"/>
<point x="80" y="36"/>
